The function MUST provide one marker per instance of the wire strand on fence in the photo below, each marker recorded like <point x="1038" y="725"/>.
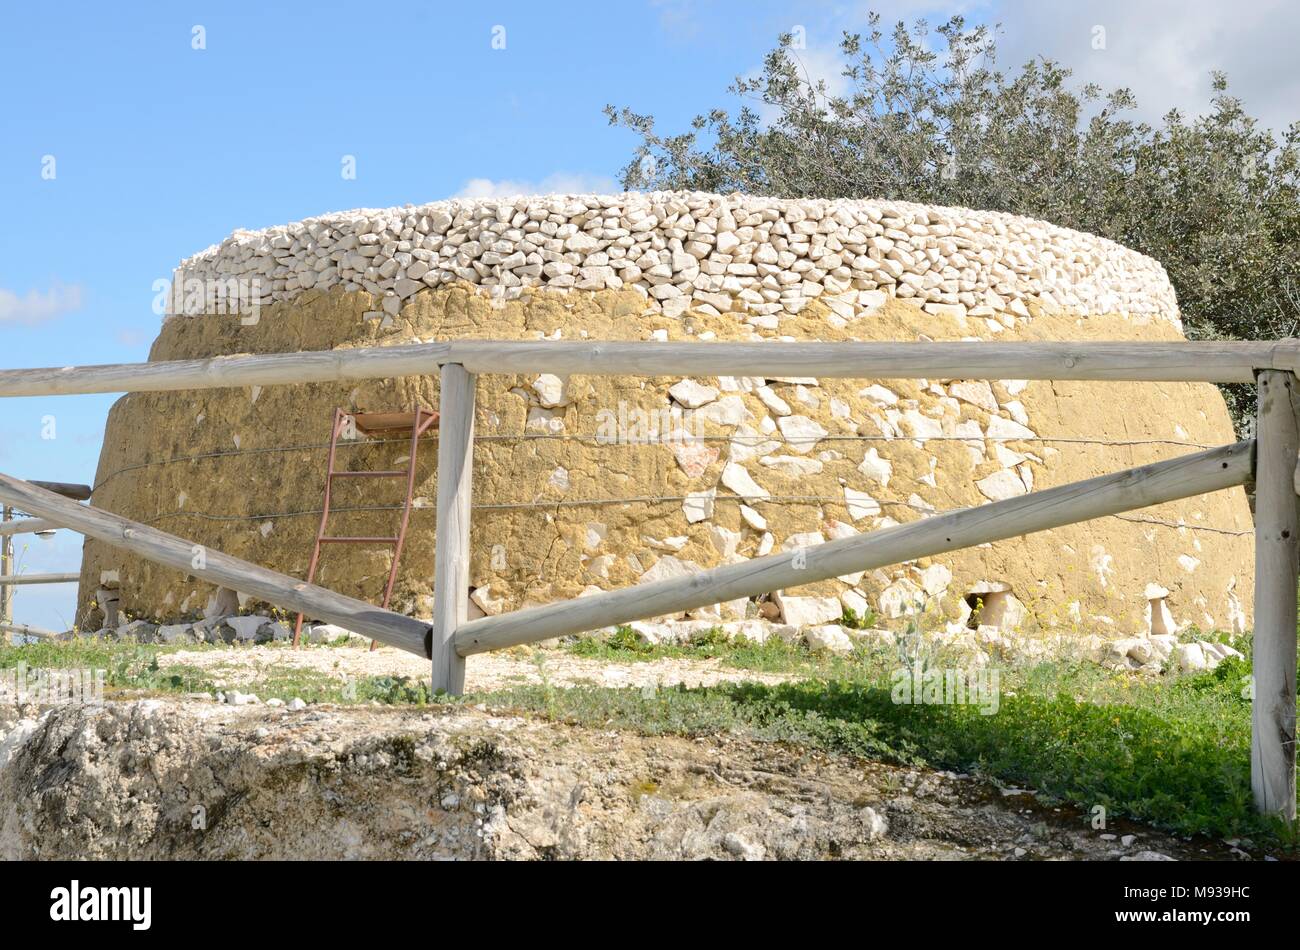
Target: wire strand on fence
<point x="604" y="440"/>
<point x="599" y="439"/>
<point x="641" y="499"/>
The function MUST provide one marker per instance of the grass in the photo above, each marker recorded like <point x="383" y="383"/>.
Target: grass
<point x="134" y="670"/>
<point x="773" y="655"/>
<point x="1171" y="751"/>
<point x="1175" y="755"/>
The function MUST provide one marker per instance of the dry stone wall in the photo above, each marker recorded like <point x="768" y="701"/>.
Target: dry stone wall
<point x="758" y="257"/>
<point x="589" y="483"/>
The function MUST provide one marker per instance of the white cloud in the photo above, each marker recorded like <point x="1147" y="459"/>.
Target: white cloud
<point x="131" y="336"/>
<point x="36" y="307"/>
<point x="677" y="18"/>
<point x="1165" y="51"/>
<point x="559" y="183"/>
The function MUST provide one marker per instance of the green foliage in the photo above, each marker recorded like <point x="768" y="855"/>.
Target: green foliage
<point x="1175" y="754"/>
<point x="927" y="117"/>
<point x="1173" y="751"/>
<point x="126" y="666"/>
<point x="395" y="691"/>
<point x="851" y="619"/>
<point x="773" y="655"/>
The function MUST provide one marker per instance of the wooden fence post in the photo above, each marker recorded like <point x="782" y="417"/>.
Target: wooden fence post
<point x="1277" y="531"/>
<point x="452" y="550"/>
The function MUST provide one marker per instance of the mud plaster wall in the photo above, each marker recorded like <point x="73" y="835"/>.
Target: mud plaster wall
<point x="236" y="482"/>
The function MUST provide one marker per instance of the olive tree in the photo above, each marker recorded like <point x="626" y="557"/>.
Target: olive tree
<point x="927" y="116"/>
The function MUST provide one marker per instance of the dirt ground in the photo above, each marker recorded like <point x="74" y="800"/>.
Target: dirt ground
<point x="198" y="779"/>
<point x="484" y="672"/>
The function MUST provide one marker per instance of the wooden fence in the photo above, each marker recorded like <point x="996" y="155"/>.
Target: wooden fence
<point x="10" y="527"/>
<point x="1269" y="461"/>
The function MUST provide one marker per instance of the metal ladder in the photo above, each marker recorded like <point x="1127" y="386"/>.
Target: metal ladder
<point x="418" y="421"/>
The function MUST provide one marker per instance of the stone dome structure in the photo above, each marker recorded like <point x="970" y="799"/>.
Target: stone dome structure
<point x="601" y="482"/>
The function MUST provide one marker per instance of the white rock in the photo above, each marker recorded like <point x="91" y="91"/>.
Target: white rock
<point x="773" y="402"/>
<point x="860" y="504"/>
<point x="739" y="481"/>
<point x="879" y="395"/>
<point x="793" y="466"/>
<point x="490" y="604"/>
<point x="725" y="541"/>
<point x="807" y="611"/>
<point x="667" y="567"/>
<point x="873" y="466"/>
<point x="1017" y="411"/>
<point x="801" y="433"/>
<point x="852" y="600"/>
<point x="596" y="532"/>
<point x="921" y="426"/>
<point x="1190" y="658"/>
<point x="935" y="579"/>
<point x="1000" y="428"/>
<point x="753" y="518"/>
<point x="1001" y="485"/>
<point x="828" y="638"/>
<point x="899" y="599"/>
<point x="740" y="847"/>
<point x="699" y="505"/>
<point x="551" y="390"/>
<point x="874" y="823"/>
<point x="747" y="443"/>
<point x="691" y="394"/>
<point x="727" y="411"/>
<point x="976" y="392"/>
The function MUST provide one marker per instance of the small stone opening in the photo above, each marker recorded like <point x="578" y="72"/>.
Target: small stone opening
<point x="991" y="605"/>
<point x="1158" y="617"/>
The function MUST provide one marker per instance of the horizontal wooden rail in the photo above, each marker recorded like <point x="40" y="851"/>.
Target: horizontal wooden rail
<point x="16" y="579"/>
<point x="1227" y="362"/>
<point x="27" y="630"/>
<point x="26" y="526"/>
<point x="214" y="567"/>
<point x="1038" y="511"/>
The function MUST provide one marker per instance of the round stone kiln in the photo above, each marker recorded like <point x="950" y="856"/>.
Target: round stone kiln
<point x="600" y="482"/>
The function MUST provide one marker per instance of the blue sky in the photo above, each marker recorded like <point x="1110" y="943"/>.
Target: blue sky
<point x="159" y="149"/>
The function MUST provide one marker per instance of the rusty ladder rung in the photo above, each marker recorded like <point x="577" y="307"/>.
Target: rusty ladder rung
<point x="357" y="540"/>
<point x="389" y="473"/>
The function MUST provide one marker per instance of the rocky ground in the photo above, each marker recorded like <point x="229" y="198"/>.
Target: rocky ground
<point x="487" y="672"/>
<point x="1152" y="653"/>
<point x="196" y="779"/>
